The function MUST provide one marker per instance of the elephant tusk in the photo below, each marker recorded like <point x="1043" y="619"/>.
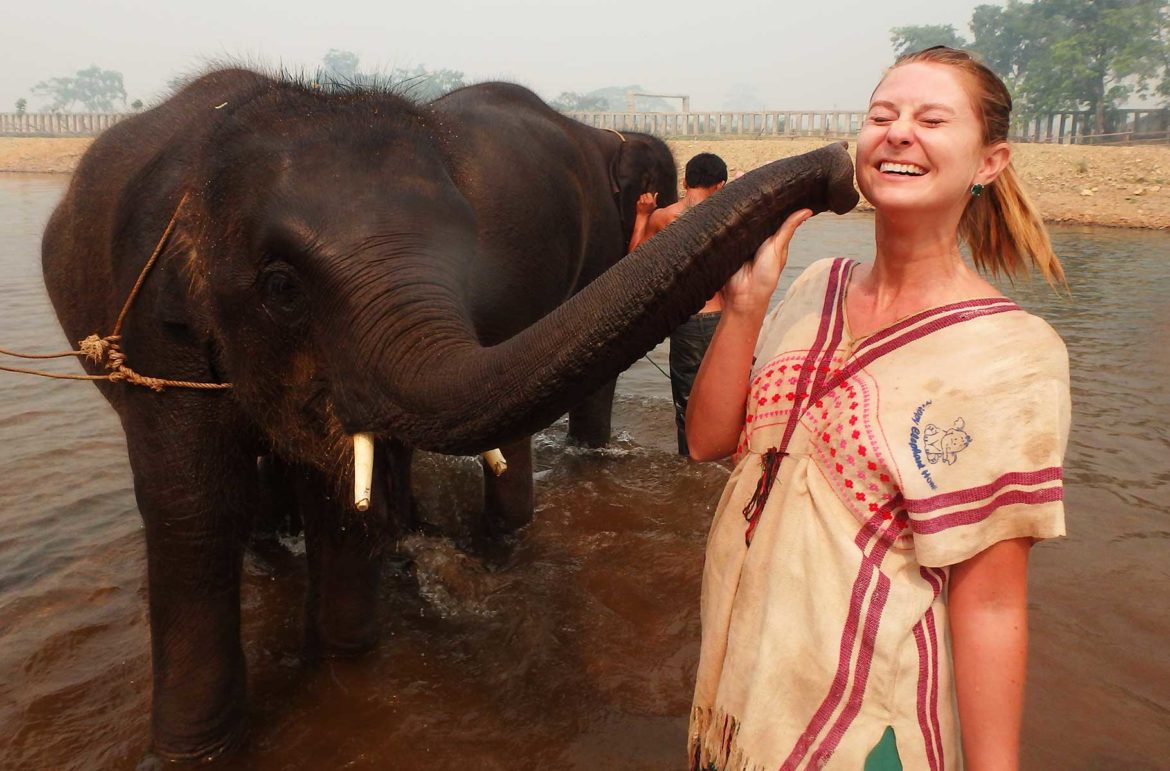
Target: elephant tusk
<point x="363" y="469"/>
<point x="495" y="461"/>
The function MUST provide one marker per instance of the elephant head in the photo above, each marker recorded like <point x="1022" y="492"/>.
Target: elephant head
<point x="330" y="252"/>
<point x="333" y="273"/>
<point x="641" y="164"/>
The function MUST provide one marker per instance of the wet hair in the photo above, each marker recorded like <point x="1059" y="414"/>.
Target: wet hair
<point x="705" y="170"/>
<point x="1001" y="227"/>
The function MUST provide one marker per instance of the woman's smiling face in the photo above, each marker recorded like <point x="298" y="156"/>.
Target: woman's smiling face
<point x="921" y="146"/>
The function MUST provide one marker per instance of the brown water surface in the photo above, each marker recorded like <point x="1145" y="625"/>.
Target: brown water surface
<point x="579" y="651"/>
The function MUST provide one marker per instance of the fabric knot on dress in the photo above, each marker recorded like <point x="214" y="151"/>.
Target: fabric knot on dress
<point x="770" y="461"/>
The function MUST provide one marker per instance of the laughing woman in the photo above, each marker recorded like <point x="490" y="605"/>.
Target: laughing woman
<point x="900" y="429"/>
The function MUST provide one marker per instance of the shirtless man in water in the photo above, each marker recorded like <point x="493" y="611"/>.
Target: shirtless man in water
<point x="705" y="173"/>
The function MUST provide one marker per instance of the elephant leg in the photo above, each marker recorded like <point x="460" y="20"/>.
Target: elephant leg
<point x="278" y="514"/>
<point x="589" y="421"/>
<point x="508" y="499"/>
<point x="345" y="549"/>
<point x="196" y="489"/>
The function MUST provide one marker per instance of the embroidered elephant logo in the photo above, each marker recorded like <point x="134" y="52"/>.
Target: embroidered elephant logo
<point x="945" y="445"/>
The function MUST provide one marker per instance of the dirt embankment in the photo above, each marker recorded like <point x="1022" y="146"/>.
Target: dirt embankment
<point x="1116" y="186"/>
<point x="40" y="154"/>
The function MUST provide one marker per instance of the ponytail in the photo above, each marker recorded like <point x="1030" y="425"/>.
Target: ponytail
<point x="1005" y="233"/>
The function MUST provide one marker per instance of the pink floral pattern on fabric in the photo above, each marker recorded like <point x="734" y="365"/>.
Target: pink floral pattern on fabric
<point x="845" y="440"/>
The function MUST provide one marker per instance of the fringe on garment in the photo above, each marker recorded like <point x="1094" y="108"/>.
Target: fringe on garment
<point x="713" y="743"/>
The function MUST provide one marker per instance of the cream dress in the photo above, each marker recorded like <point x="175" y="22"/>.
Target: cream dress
<point x="866" y="467"/>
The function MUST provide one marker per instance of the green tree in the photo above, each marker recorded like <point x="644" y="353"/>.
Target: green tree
<point x="571" y="101"/>
<point x="1002" y="37"/>
<point x="340" y="68"/>
<point x="95" y="89"/>
<point x="615" y="99"/>
<point x="340" y="65"/>
<point x="914" y="38"/>
<point x="742" y="96"/>
<point x="1073" y="54"/>
<point x="423" y="84"/>
<point x="21" y="106"/>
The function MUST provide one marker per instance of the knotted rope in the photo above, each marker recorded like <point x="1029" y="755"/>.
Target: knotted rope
<point x="106" y="350"/>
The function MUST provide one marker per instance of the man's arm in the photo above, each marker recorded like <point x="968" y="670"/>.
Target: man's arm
<point x="648" y="220"/>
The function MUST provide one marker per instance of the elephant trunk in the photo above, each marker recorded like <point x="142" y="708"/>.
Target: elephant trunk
<point x="461" y="397"/>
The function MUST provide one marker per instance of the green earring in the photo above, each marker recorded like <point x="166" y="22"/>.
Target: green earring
<point x="976" y="190"/>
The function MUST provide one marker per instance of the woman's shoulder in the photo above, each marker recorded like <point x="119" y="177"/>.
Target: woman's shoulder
<point x="1006" y="346"/>
<point x="1034" y="333"/>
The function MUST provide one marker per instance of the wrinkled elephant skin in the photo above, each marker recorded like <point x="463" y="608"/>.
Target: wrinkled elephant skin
<point x="353" y="262"/>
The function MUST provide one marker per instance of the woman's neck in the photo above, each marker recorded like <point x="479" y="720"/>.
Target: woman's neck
<point x="917" y="265"/>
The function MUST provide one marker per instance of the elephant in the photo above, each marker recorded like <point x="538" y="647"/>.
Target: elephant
<point x="441" y="276"/>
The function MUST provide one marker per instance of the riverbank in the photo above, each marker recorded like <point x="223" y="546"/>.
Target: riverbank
<point x="1093" y="185"/>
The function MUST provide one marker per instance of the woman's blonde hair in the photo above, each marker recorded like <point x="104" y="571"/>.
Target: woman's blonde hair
<point x="1001" y="227"/>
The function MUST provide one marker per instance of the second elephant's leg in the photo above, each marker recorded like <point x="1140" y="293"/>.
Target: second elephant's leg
<point x="345" y="549"/>
<point x="509" y="499"/>
<point x="278" y="514"/>
<point x="589" y="421"/>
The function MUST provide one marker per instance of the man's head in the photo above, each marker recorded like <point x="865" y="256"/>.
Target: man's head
<point x="706" y="170"/>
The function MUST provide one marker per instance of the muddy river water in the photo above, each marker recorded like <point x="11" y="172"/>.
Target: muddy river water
<point x="578" y="652"/>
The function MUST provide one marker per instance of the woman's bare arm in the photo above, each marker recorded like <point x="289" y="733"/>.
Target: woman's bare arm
<point x="715" y="411"/>
<point x="988" y="608"/>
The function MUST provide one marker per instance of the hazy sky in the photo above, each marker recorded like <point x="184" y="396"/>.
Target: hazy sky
<point x="807" y="55"/>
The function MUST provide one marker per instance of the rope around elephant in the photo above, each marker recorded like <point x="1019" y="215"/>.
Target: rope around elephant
<point x="107" y="350"/>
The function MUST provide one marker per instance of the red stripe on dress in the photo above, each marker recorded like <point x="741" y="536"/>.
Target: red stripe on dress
<point x="932" y="714"/>
<point x="864" y="661"/>
<point x="876" y="520"/>
<point x="828" y="305"/>
<point x="869" y="566"/>
<point x="830" y="317"/>
<point x="924" y="675"/>
<point x="986" y="302"/>
<point x="975" y="494"/>
<point x="936" y="577"/>
<point x="976" y="515"/>
<point x="934" y="325"/>
<point x="872" y="353"/>
<point x="822" y="369"/>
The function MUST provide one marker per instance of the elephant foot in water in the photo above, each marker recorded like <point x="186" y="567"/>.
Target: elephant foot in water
<point x="590" y="421"/>
<point x="159" y="760"/>
<point x="460" y="498"/>
<point x="198" y="734"/>
<point x="509" y="501"/>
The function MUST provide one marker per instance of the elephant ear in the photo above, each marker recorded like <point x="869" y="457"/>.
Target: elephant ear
<point x="178" y="293"/>
<point x="170" y="305"/>
<point x="642" y="164"/>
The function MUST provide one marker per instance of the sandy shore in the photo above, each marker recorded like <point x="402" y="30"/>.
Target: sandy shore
<point x="1116" y="186"/>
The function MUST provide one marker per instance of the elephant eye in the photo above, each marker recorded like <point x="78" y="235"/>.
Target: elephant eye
<point x="281" y="293"/>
